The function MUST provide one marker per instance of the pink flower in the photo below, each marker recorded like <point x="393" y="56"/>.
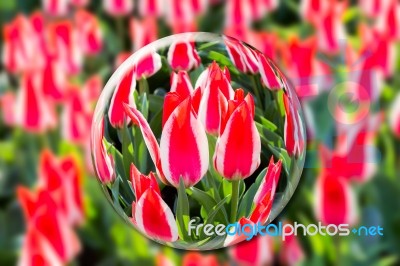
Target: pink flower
<point x="300" y="59"/>
<point x="238" y="135"/>
<point x="355" y="155"/>
<point x="53" y="80"/>
<point x="56" y="7"/>
<point x="150" y="8"/>
<point x="76" y="116"/>
<point x="50" y="238"/>
<point x="149" y="212"/>
<point x="33" y="111"/>
<point x="265" y="194"/>
<point x="268" y="75"/>
<point x="334" y="199"/>
<point x="294" y="132"/>
<point x="182" y="55"/>
<point x="244" y="58"/>
<point x="89" y="32"/>
<point x="103" y="161"/>
<point x="330" y="28"/>
<point x="147" y="65"/>
<point x="65" y="45"/>
<point x="118" y="7"/>
<point x="62" y="178"/>
<point x="123" y="94"/>
<point x="257" y="251"/>
<point x="143" y="31"/>
<point x="183" y="136"/>
<point x="214" y="100"/>
<point x="17" y="51"/>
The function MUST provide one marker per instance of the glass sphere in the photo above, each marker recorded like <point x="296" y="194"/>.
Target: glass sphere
<point x="196" y="138"/>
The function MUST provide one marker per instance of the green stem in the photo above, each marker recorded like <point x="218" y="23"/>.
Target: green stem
<point x="234" y="200"/>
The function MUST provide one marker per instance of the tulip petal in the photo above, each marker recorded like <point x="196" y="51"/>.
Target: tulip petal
<point x="104" y="162"/>
<point x="149" y="139"/>
<point x="142" y="182"/>
<point x="183" y="56"/>
<point x="180" y="83"/>
<point x="335" y="202"/>
<point x="269" y="78"/>
<point x="122" y="94"/>
<point x="147" y="65"/>
<point x="155" y="218"/>
<point x="183" y="136"/>
<point x="240" y="136"/>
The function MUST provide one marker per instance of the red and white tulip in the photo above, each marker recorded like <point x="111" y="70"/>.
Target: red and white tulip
<point x="335" y="200"/>
<point x="265" y="194"/>
<point x="243" y="57"/>
<point x="118" y="7"/>
<point x="268" y="76"/>
<point x="214" y="100"/>
<point x="183" y="136"/>
<point x="238" y="135"/>
<point x="123" y="94"/>
<point x="294" y="132"/>
<point x="103" y="161"/>
<point x="182" y="55"/>
<point x="149" y="212"/>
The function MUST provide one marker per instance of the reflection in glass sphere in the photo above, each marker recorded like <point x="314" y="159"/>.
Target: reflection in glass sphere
<point x="195" y="132"/>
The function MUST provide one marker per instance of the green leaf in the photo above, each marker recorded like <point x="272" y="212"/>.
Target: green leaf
<point x="208" y="203"/>
<point x="156" y="103"/>
<point x="182" y="212"/>
<point x="211" y="219"/>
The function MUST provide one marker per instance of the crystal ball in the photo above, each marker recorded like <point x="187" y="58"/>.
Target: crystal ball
<point x="196" y="139"/>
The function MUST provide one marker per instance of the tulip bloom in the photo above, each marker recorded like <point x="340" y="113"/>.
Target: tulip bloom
<point x="268" y="76"/>
<point x="65" y="44"/>
<point x="118" y="7"/>
<point x="214" y="101"/>
<point x="183" y="136"/>
<point x="238" y="135"/>
<point x="48" y="229"/>
<point x="62" y="179"/>
<point x="182" y="55"/>
<point x="257" y="251"/>
<point x="33" y="111"/>
<point x="89" y="32"/>
<point x="149" y="212"/>
<point x="147" y="65"/>
<point x="122" y="94"/>
<point x="244" y="58"/>
<point x="335" y="201"/>
<point x="103" y="161"/>
<point x="293" y="129"/>
<point x="56" y="7"/>
<point x="143" y="31"/>
<point x="16" y="51"/>
<point x="265" y="194"/>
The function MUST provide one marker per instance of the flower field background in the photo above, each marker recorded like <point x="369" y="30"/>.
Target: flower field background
<point x="341" y="56"/>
